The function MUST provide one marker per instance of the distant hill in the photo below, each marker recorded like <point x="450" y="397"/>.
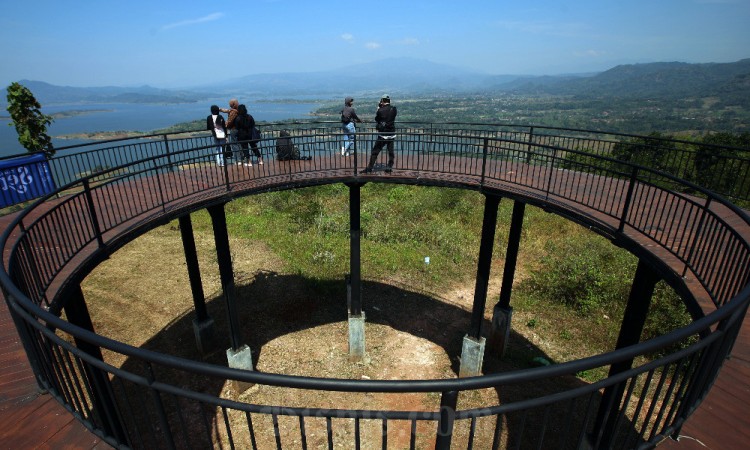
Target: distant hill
<point x="729" y="83"/>
<point x="50" y="94"/>
<point x="403" y="76"/>
<point x="669" y="80"/>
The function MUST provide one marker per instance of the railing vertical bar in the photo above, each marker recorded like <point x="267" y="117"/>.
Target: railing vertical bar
<point x="251" y="430"/>
<point x="628" y="200"/>
<point x="448" y="402"/>
<point x="302" y="432"/>
<point x="276" y="432"/>
<point x="568" y="427"/>
<point x="329" y="432"/>
<point x="472" y="433"/>
<point x="498" y="433"/>
<point x="543" y="431"/>
<point x="357" y="436"/>
<point x="668" y="399"/>
<point x="159" y="404"/>
<point x="652" y="407"/>
<point x="181" y="422"/>
<point x="92" y="213"/>
<point x="384" y="433"/>
<point x="697" y="235"/>
<point x="485" y="146"/>
<point x="228" y="427"/>
<point x="413" y="435"/>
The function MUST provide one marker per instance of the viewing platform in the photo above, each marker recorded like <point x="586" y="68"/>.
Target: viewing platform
<point x="690" y="237"/>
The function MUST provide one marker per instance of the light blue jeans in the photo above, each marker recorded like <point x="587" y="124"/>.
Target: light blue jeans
<point x="220" y="151"/>
<point x="348" y="136"/>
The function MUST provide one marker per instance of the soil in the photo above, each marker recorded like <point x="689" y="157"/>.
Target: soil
<point x="297" y="326"/>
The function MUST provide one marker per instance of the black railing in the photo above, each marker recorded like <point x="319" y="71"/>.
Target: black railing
<point x="48" y="243"/>
<point x="723" y="170"/>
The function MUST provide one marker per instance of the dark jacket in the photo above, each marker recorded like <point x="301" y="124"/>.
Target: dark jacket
<point x="244" y="124"/>
<point x="219" y="121"/>
<point x="285" y="148"/>
<point x="348" y="114"/>
<point x="385" y="119"/>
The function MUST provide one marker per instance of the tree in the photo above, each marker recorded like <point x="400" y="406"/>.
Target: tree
<point x="31" y="124"/>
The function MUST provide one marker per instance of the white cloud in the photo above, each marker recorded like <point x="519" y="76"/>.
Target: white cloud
<point x="208" y="18"/>
<point x="372" y="45"/>
<point x="347" y="37"/>
<point x="590" y="53"/>
<point x="410" y="41"/>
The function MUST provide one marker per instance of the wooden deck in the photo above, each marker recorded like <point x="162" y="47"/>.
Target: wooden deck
<point x="31" y="419"/>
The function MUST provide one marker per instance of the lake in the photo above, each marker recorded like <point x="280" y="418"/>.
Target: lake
<point x="140" y="117"/>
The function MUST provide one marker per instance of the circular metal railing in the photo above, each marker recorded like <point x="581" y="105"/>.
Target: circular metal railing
<point x="52" y="244"/>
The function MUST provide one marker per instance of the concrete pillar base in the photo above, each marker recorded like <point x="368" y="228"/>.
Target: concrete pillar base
<point x="357" y="338"/>
<point x="241" y="358"/>
<point x="500" y="330"/>
<point x="472" y="357"/>
<point x="204" y="335"/>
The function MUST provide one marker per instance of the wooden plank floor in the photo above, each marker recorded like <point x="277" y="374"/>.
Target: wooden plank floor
<point x="33" y="420"/>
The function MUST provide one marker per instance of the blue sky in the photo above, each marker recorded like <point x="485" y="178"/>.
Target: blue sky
<point x="180" y="44"/>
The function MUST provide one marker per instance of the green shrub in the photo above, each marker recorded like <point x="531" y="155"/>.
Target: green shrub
<point x="585" y="274"/>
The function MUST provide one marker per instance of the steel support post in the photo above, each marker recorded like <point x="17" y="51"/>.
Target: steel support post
<point x="472" y="350"/>
<point x="489" y="224"/>
<point x="103" y="397"/>
<point x="354" y="288"/>
<point x="631" y="328"/>
<point x="502" y="312"/>
<point x="354" y="249"/>
<point x="203" y="324"/>
<point x="226" y="273"/>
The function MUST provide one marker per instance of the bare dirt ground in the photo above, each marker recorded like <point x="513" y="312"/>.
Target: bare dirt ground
<point x="295" y="326"/>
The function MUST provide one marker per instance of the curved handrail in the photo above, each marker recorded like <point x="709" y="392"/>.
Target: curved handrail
<point x="544" y="173"/>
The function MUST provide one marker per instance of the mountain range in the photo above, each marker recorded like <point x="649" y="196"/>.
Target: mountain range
<point x="415" y="77"/>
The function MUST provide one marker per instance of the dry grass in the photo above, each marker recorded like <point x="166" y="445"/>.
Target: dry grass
<point x="296" y="325"/>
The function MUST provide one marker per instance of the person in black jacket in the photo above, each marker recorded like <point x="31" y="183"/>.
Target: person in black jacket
<point x="385" y="123"/>
<point x="215" y="122"/>
<point x="245" y="123"/>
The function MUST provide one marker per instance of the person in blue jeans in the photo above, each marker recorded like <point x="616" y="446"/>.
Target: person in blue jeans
<point x="215" y="122"/>
<point x="348" y="117"/>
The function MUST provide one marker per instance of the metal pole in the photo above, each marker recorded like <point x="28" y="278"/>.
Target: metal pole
<point x="193" y="268"/>
<point x="448" y="403"/>
<point x="103" y="397"/>
<point x="511" y="255"/>
<point x="354" y="249"/>
<point x="224" y="256"/>
<point x="628" y="199"/>
<point x="483" y="266"/>
<point x="633" y="321"/>
<point x="92" y="212"/>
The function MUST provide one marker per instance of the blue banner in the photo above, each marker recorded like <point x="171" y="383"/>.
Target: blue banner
<point x="24" y="178"/>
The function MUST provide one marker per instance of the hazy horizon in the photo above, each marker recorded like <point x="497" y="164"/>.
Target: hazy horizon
<point x="176" y="45"/>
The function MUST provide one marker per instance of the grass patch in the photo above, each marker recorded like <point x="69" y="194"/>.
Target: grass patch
<point x="571" y="284"/>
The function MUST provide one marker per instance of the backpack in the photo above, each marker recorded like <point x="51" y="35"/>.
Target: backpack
<point x="285" y="149"/>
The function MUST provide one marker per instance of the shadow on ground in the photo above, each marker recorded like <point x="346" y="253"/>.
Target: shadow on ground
<point x="273" y="306"/>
